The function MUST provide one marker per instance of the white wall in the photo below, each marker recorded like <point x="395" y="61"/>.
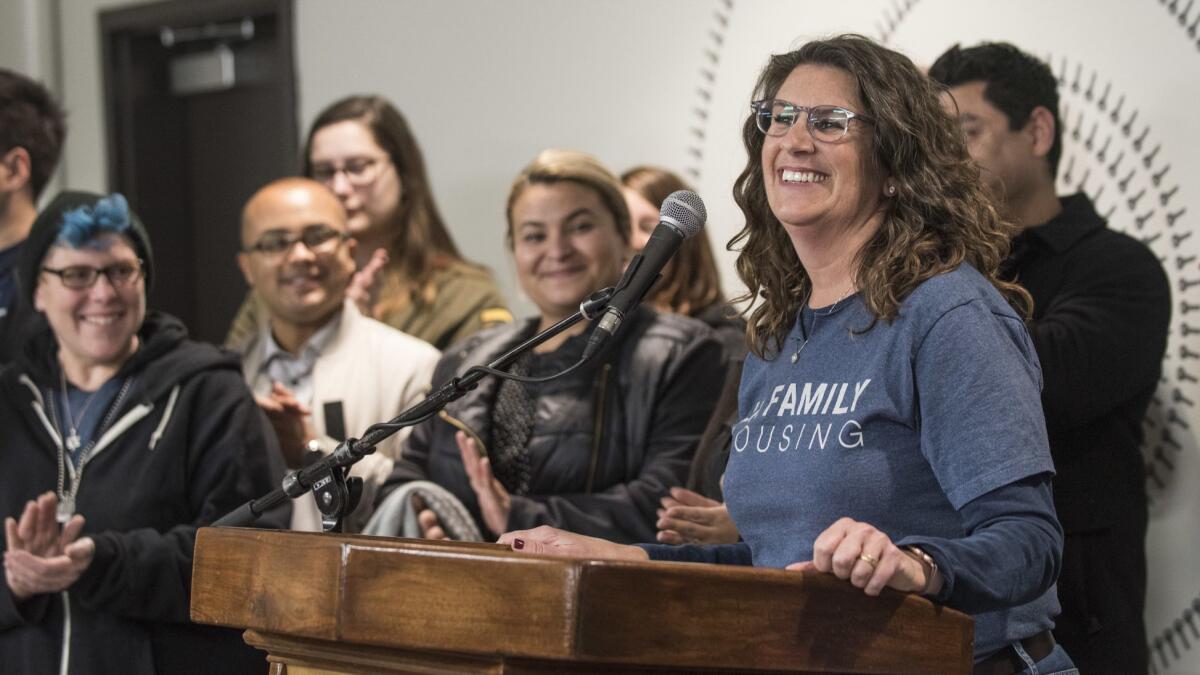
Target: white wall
<point x="84" y="157"/>
<point x="27" y="38"/>
<point x="486" y="85"/>
<point x="29" y="45"/>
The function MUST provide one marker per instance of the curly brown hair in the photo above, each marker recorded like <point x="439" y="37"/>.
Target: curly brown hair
<point x="940" y="217"/>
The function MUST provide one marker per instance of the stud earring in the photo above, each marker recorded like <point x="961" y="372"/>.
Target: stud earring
<point x="891" y="190"/>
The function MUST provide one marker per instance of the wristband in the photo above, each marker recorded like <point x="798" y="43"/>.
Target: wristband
<point x="925" y="559"/>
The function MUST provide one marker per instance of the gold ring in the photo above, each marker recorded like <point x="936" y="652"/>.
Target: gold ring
<point x="869" y="559"/>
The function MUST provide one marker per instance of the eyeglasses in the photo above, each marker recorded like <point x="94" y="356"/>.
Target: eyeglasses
<point x="360" y="171"/>
<point x="83" y="277"/>
<point x="320" y="239"/>
<point x="826" y="123"/>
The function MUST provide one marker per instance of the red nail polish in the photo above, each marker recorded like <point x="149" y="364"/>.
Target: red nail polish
<point x="518" y="544"/>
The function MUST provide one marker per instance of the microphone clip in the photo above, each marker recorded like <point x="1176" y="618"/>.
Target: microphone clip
<point x="337" y="494"/>
<point x="595" y="303"/>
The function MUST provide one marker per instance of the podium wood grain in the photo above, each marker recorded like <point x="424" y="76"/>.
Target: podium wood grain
<point x="354" y="604"/>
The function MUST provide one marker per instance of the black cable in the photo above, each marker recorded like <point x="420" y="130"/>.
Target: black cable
<point x="352" y="450"/>
<point x="523" y="378"/>
<point x="397" y="426"/>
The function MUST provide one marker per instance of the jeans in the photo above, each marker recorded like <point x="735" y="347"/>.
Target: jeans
<point x="1056" y="662"/>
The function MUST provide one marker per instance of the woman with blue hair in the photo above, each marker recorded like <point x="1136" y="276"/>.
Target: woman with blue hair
<point x="121" y="437"/>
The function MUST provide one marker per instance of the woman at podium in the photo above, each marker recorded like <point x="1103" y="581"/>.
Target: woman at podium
<point x="890" y="427"/>
<point x="595" y="450"/>
<point x="120" y="438"/>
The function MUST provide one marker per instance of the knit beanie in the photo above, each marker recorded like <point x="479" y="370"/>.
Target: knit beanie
<point x="49" y="225"/>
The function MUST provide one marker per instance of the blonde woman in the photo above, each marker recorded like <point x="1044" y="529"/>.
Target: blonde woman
<point x="594" y="451"/>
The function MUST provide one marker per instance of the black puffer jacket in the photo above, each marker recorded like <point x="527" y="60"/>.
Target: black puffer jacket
<point x="190" y="445"/>
<point x="649" y="396"/>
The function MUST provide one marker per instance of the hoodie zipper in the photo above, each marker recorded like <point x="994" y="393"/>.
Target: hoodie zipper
<point x="129" y="419"/>
<point x="111" y="433"/>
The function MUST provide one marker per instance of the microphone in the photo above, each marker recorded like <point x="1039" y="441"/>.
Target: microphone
<point x="682" y="216"/>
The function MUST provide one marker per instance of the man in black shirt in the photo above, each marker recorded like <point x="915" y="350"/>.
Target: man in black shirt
<point x="1101" y="312"/>
<point x="31" y="136"/>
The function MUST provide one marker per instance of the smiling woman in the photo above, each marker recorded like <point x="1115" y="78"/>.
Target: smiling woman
<point x="566" y="245"/>
<point x="121" y="437"/>
<point x="595" y="450"/>
<point x="890" y="430"/>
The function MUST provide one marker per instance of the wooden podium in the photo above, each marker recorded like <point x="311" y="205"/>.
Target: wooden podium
<point x="354" y="604"/>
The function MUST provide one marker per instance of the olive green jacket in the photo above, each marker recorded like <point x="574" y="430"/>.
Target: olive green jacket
<point x="466" y="300"/>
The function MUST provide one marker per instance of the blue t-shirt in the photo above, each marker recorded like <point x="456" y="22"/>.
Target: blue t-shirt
<point x="87" y="410"/>
<point x="899" y="425"/>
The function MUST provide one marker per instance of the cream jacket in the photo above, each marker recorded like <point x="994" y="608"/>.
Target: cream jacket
<point x="376" y="372"/>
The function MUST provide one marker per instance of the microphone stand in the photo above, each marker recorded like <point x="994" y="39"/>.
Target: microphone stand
<point x="328" y="479"/>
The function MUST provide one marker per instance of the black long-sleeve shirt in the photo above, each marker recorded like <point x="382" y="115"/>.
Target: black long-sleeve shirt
<point x="1102" y="305"/>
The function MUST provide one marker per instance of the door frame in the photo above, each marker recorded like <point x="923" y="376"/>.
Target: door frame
<point x="147" y="19"/>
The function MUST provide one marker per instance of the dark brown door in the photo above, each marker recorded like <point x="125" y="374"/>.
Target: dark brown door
<point x="188" y="144"/>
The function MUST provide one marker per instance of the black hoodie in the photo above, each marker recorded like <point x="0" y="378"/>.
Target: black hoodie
<point x="187" y="445"/>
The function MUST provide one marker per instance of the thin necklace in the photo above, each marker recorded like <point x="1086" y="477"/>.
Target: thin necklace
<point x="73" y="421"/>
<point x="816" y="317"/>
<point x="66" y="498"/>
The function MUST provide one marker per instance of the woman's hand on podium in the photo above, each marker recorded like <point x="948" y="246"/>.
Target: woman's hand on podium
<point x="866" y="557"/>
<point x="546" y="540"/>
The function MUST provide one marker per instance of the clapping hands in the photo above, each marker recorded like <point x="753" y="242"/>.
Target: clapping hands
<point x="41" y="556"/>
<point x="690" y="518"/>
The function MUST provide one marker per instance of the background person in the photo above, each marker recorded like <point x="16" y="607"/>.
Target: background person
<point x="411" y="275"/>
<point x="592" y="451"/>
<point x="32" y="130"/>
<point x="320" y="369"/>
<point x="1101" y="311"/>
<point x="891" y="431"/>
<point x="118" y="426"/>
<point x="690" y="284"/>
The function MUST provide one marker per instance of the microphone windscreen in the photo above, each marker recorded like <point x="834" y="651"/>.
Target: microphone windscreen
<point x="684" y="210"/>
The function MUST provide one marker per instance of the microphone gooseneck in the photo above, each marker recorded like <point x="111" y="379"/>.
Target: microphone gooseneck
<point x="682" y="216"/>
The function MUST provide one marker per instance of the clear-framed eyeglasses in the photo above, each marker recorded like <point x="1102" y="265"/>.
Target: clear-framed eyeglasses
<point x="83" y="277"/>
<point x="359" y="171"/>
<point x="826" y="123"/>
<point x="320" y="239"/>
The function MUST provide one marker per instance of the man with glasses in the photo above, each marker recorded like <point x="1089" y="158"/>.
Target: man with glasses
<point x="31" y="136"/>
<point x="320" y="369"/>
<point x="1101" y="311"/>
